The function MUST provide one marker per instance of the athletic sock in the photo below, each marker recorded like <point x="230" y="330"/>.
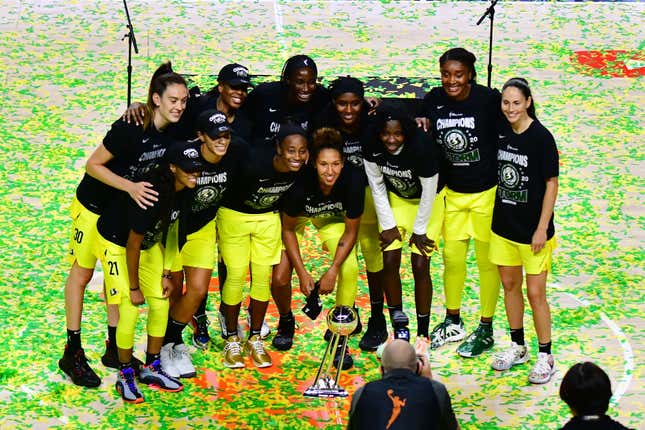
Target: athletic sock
<point x="453" y="318"/>
<point x="125" y="365"/>
<point x="112" y="336"/>
<point x="150" y="358"/>
<point x="376" y="308"/>
<point x="545" y="347"/>
<point x="517" y="335"/>
<point x="423" y="321"/>
<point x="286" y="317"/>
<point x="486" y="324"/>
<point x="254" y="332"/>
<point x="73" y="340"/>
<point x="174" y="330"/>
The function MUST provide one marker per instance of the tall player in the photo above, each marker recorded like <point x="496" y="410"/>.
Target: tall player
<point x="463" y="116"/>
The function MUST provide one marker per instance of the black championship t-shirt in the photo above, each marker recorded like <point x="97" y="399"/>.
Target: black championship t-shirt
<point x="136" y="153"/>
<point x="198" y="103"/>
<point x="122" y="214"/>
<point x="524" y="163"/>
<point x="259" y="186"/>
<point x="465" y="131"/>
<point x="345" y="200"/>
<point x="202" y="202"/>
<point x="352" y="142"/>
<point x="403" y="170"/>
<point x="267" y="107"/>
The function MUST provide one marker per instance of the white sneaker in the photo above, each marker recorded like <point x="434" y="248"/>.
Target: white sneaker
<point x="264" y="332"/>
<point x="543" y="370"/>
<point x="167" y="360"/>
<point x="182" y="361"/>
<point x="516" y="354"/>
<point x="445" y="332"/>
<point x="222" y="326"/>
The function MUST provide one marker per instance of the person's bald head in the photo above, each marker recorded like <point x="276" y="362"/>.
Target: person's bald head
<point x="399" y="354"/>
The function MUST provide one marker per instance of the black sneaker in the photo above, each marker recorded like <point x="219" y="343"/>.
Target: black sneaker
<point x="375" y="335"/>
<point x="201" y="338"/>
<point x="111" y="359"/>
<point x="75" y="365"/>
<point x="348" y="361"/>
<point x="283" y="340"/>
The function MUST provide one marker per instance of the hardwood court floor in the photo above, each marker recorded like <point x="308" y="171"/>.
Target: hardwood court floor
<point x="64" y="82"/>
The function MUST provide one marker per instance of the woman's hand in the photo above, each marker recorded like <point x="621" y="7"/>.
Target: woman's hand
<point x="143" y="194"/>
<point x="136" y="297"/>
<point x="423" y="123"/>
<point x="306" y="284"/>
<point x="167" y="287"/>
<point x="423" y="243"/>
<point x="135" y="112"/>
<point x="538" y="240"/>
<point x="328" y="281"/>
<point x="388" y="236"/>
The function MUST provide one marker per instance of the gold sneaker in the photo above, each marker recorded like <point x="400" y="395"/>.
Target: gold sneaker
<point x="233" y="353"/>
<point x="254" y="348"/>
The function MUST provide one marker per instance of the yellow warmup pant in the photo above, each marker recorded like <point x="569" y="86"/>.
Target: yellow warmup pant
<point x="368" y="236"/>
<point x="117" y="285"/>
<point x="454" y="275"/>
<point x="347" y="282"/>
<point x="469" y="215"/>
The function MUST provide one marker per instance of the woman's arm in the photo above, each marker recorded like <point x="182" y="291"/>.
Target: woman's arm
<point x="141" y="192"/>
<point x="548" y="203"/>
<point x="381" y="204"/>
<point x="345" y="245"/>
<point x="428" y="194"/>
<point x="132" y="254"/>
<point x="290" y="241"/>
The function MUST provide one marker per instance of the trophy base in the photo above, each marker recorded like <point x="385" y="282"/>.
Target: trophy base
<point x="325" y="392"/>
<point x="326" y="388"/>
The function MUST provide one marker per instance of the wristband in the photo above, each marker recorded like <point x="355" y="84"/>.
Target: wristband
<point x="166" y="276"/>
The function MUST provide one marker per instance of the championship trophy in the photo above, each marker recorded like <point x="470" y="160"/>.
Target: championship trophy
<point x="341" y="320"/>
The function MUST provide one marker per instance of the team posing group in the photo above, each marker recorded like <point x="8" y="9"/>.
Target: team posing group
<point x="233" y="177"/>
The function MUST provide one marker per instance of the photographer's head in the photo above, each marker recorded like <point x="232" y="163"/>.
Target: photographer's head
<point x="586" y="388"/>
<point x="399" y="354"/>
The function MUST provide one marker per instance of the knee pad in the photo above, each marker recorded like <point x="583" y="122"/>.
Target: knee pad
<point x="260" y="282"/>
<point x="157" y="316"/>
<point x="235" y="280"/>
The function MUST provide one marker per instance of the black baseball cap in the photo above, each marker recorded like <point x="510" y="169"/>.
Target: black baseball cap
<point x="234" y="74"/>
<point x="184" y="156"/>
<point x="213" y="123"/>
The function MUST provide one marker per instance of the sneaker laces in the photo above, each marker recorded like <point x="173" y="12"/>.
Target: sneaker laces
<point x="128" y="376"/>
<point x="257" y="345"/>
<point x="81" y="363"/>
<point x="201" y="324"/>
<point x="542" y="366"/>
<point x="508" y="355"/>
<point x="233" y="347"/>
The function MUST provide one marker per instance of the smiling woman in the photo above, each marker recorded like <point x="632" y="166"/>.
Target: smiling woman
<point x="249" y="234"/>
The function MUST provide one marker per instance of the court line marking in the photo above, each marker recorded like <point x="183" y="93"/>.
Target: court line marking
<point x="628" y="352"/>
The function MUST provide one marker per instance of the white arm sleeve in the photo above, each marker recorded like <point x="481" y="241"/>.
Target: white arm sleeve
<point x="379" y="193"/>
<point x="428" y="193"/>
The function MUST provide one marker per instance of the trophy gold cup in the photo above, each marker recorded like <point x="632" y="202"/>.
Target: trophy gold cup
<point x="341" y="320"/>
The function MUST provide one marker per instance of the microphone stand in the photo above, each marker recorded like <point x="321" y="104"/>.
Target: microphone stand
<point x="132" y="42"/>
<point x="490" y="12"/>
